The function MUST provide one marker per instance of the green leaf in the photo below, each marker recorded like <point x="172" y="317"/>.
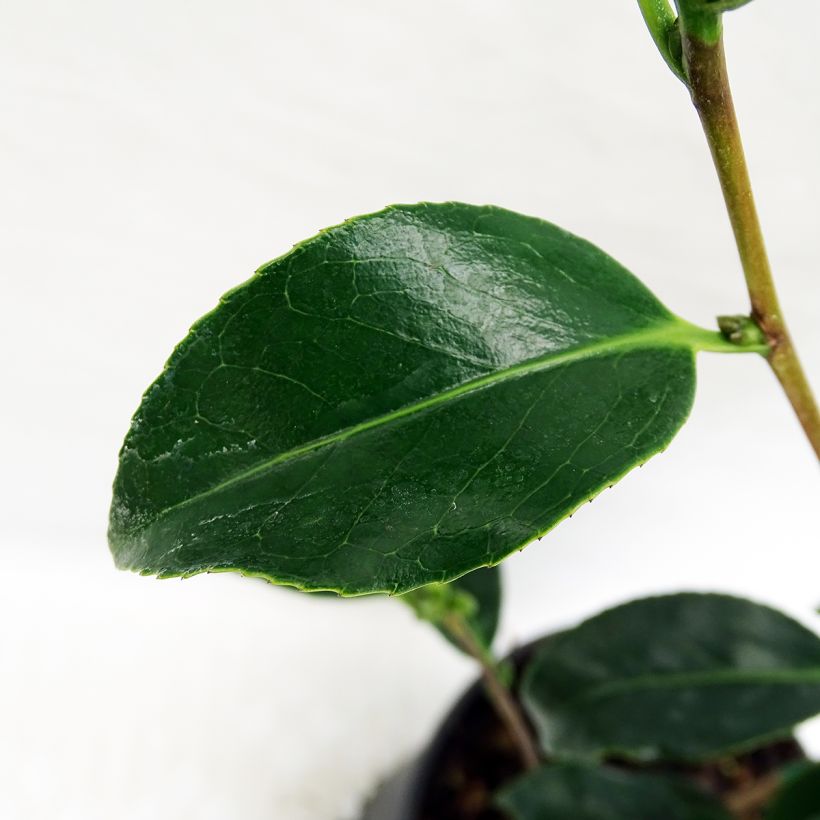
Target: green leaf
<point x="662" y="23"/>
<point x="718" y="5"/>
<point x="678" y="677"/>
<point x="483" y="587"/>
<point x="799" y="796"/>
<point x="404" y="398"/>
<point x="576" y="792"/>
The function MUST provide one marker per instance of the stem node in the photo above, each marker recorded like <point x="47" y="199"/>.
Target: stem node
<point x="743" y="331"/>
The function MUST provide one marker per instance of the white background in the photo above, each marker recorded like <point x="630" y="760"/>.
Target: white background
<point x="152" y="155"/>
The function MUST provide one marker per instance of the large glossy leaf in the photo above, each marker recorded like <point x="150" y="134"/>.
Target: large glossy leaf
<point x="577" y="792"/>
<point x="404" y="398"/>
<point x="799" y="797"/>
<point x="680" y="677"/>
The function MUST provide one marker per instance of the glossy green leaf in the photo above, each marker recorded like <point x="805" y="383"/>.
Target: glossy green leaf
<point x="680" y="677"/>
<point x="799" y="796"/>
<point x="576" y="792"/>
<point x="404" y="398"/>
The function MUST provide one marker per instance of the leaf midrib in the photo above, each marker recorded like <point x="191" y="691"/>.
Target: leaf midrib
<point x="640" y="684"/>
<point x="673" y="332"/>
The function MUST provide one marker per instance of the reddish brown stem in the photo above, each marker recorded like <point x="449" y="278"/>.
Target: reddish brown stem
<point x="708" y="81"/>
<point x="500" y="695"/>
<point x="747" y="803"/>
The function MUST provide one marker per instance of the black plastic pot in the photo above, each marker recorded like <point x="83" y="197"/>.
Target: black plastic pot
<point x="426" y="790"/>
<point x="409" y="794"/>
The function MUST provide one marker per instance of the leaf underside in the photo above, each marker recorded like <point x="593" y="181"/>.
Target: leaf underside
<point x="566" y="791"/>
<point x="679" y="677"/>
<point x="404" y="398"/>
<point x="484" y="588"/>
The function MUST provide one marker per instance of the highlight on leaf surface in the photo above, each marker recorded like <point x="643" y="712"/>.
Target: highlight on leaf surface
<point x="686" y="677"/>
<point x="401" y="399"/>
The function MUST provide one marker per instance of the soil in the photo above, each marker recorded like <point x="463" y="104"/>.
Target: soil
<point x="477" y="756"/>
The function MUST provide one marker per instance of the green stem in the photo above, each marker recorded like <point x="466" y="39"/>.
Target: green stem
<point x="708" y="80"/>
<point x="724" y="342"/>
<point x="500" y="695"/>
<point x="703" y="23"/>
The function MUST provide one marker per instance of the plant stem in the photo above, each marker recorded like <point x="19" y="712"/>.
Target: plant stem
<point x="708" y="81"/>
<point x="502" y="698"/>
<point x="747" y="802"/>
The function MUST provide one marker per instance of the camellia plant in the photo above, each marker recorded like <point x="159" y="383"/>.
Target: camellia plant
<point x="399" y="403"/>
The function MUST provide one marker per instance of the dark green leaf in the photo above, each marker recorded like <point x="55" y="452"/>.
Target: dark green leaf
<point x="721" y="5"/>
<point x="483" y="586"/>
<point x="404" y="398"/>
<point x="714" y="6"/>
<point x="799" y="797"/>
<point x="676" y="677"/>
<point x="576" y="792"/>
